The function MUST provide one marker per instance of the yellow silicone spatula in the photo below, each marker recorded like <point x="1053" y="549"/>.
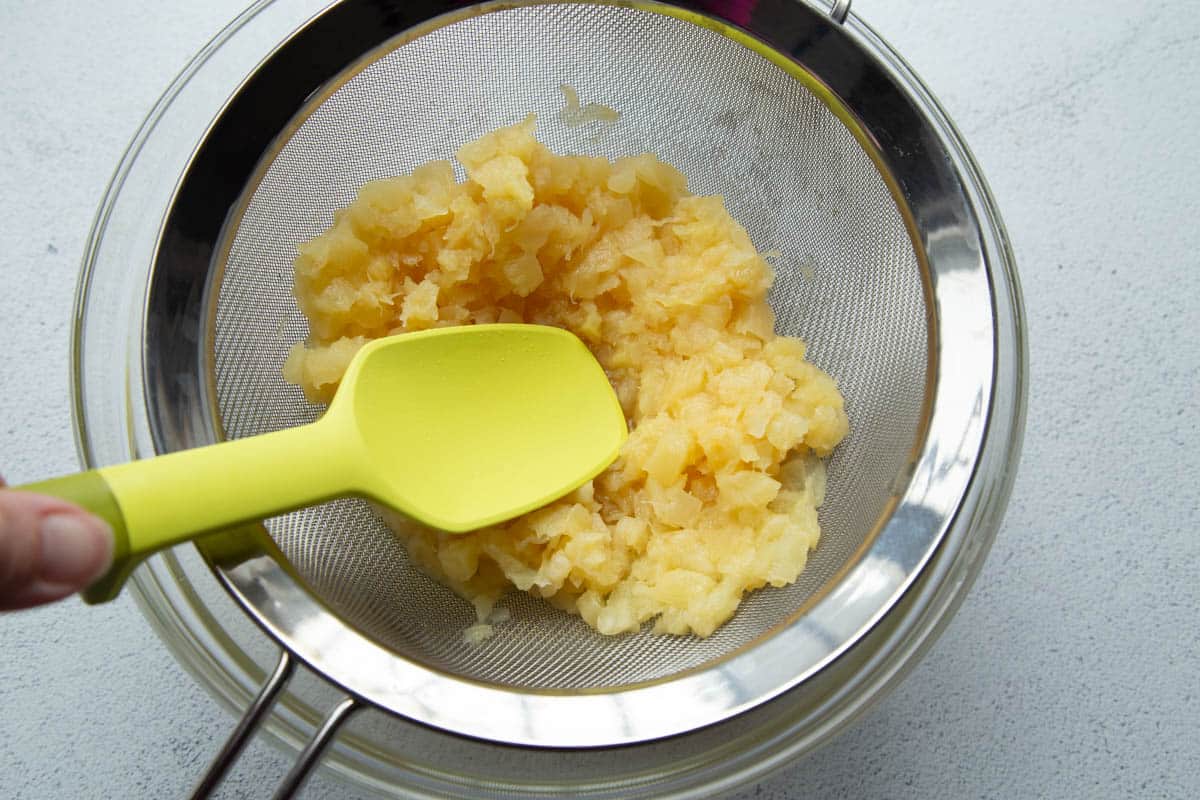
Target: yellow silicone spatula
<point x="457" y="427"/>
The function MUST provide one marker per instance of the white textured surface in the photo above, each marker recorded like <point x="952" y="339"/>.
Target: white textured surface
<point x="1072" y="670"/>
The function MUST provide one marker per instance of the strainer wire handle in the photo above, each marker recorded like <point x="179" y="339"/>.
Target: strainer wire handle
<point x="245" y="727"/>
<point x="839" y="11"/>
<point x="312" y="751"/>
<point x="248" y="724"/>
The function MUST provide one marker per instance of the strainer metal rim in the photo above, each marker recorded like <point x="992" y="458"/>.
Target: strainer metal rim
<point x="943" y="219"/>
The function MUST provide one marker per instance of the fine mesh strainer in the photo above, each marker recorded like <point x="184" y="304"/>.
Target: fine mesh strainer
<point x="421" y="95"/>
<point x="891" y="265"/>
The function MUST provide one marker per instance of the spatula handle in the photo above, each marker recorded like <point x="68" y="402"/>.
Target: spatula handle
<point x="158" y="502"/>
<point x="91" y="491"/>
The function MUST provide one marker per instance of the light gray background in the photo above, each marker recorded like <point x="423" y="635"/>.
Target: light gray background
<point x="1072" y="670"/>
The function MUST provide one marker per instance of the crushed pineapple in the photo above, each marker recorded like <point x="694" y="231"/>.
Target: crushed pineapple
<point x="715" y="492"/>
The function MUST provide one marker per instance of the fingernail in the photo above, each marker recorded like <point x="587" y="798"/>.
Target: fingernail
<point x="74" y="548"/>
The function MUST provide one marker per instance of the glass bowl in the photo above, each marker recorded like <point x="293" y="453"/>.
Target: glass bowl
<point x="231" y="656"/>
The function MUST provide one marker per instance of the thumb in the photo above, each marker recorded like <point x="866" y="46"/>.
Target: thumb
<point x="49" y="549"/>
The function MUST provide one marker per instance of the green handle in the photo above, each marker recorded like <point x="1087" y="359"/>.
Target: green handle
<point x="158" y="502"/>
<point x="91" y="491"/>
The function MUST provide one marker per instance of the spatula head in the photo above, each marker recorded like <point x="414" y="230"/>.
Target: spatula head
<point x="467" y="426"/>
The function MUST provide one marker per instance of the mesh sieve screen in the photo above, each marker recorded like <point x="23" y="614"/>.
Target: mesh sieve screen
<point x="737" y="125"/>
